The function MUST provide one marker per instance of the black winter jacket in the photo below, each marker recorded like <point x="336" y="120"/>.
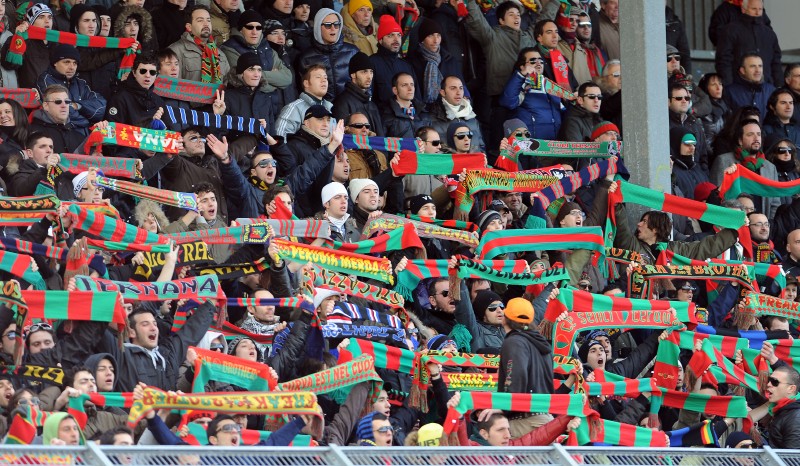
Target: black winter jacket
<point x="676" y="37"/>
<point x="336" y="58"/>
<point x="302" y="148"/>
<point x="578" y="124"/>
<point x="526" y="363"/>
<point x="784" y="430"/>
<point x="35" y="60"/>
<point x="354" y="100"/>
<point x="66" y="137"/>
<point x="748" y="35"/>
<point x="448" y="66"/>
<point x="246" y="102"/>
<point x="687" y="175"/>
<point x="133" y="103"/>
<point x="693" y="125"/>
<point x="386" y="65"/>
<point x="397" y="124"/>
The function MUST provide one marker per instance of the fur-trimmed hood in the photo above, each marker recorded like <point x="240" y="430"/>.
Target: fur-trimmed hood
<point x="145" y="25"/>
<point x="145" y="207"/>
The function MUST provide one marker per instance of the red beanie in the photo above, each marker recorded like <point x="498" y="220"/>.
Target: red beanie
<point x="387" y="26"/>
<point x="602" y="128"/>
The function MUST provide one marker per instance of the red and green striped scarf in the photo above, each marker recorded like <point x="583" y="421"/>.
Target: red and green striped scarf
<point x="395" y="240"/>
<point x="390" y="145"/>
<point x="330" y="280"/>
<point x="21" y="266"/>
<point x="414" y="163"/>
<point x="766" y="305"/>
<point x="500" y="242"/>
<point x="18" y="45"/>
<point x="610" y="384"/>
<point x="26" y="247"/>
<point x="388" y="222"/>
<point x="548" y="86"/>
<point x="22" y="427"/>
<point x="762" y="271"/>
<point x="211" y="365"/>
<point x="295" y="228"/>
<point x="455" y="224"/>
<point x="745" y="181"/>
<point x="98" y="209"/>
<point x="385" y="357"/>
<point x="186" y="90"/>
<point x="163" y="196"/>
<point x="76" y="405"/>
<point x="118" y="134"/>
<point x="28" y="98"/>
<point x="640" y="277"/>
<point x="422" y="378"/>
<point x="117" y="167"/>
<point x="496" y="180"/>
<point x="420" y="269"/>
<point x="198" y="288"/>
<point x="351" y="263"/>
<point x="109" y="228"/>
<point x="573" y="150"/>
<point x="664" y="202"/>
<point x="27" y="210"/>
<point x="117" y="246"/>
<point x="84" y="305"/>
<point x="257" y="233"/>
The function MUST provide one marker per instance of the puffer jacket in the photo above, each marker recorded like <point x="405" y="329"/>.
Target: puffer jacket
<point x="367" y="43"/>
<point x="92" y="105"/>
<point x="246" y="102"/>
<point x="276" y="75"/>
<point x="336" y="57"/>
<point x="147" y="34"/>
<point x="291" y="116"/>
<point x="540" y="112"/>
<point x="784" y="430"/>
<point x="386" y="65"/>
<point x="191" y="58"/>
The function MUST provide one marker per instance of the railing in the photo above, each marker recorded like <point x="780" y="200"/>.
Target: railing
<point x="95" y="455"/>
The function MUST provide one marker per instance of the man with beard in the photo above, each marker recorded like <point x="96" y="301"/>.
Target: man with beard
<point x="366" y="199"/>
<point x="387" y="62"/>
<point x="357" y="95"/>
<point x="198" y="51"/>
<point x="441" y="316"/>
<point x="748" y="154"/>
<point x="763" y="249"/>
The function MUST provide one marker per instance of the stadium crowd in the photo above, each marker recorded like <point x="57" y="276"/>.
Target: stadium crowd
<point x="405" y="220"/>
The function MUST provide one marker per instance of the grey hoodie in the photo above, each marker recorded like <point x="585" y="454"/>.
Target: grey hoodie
<point x="318" y="19"/>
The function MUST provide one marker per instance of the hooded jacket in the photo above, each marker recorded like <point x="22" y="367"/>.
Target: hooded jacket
<point x="146" y="34"/>
<point x="367" y="43"/>
<point x="243" y="101"/>
<point x="276" y="74"/>
<point x="94" y="360"/>
<point x="92" y="106"/>
<point x="526" y="363"/>
<point x="50" y="429"/>
<point x="132" y="103"/>
<point x="66" y="137"/>
<point x="540" y="112"/>
<point x="336" y="57"/>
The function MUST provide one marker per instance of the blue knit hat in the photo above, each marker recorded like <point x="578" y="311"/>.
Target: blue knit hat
<point x="364" y="428"/>
<point x="439" y="341"/>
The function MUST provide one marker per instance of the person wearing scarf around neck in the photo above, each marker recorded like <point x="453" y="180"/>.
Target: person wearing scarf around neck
<point x="335" y="199"/>
<point x="431" y="62"/>
<point x="453" y="107"/>
<point x="783" y="154"/>
<point x="782" y="405"/>
<point x="200" y="58"/>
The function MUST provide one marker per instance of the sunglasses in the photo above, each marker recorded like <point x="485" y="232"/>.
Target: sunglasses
<point x="682" y="98"/>
<point x="775" y="382"/>
<point x="36" y="327"/>
<point x="60" y="101"/>
<point x="586" y="287"/>
<point x="10" y="335"/>
<point x="522" y="134"/>
<point x="144" y="71"/>
<point x="534" y="61"/>
<point x="444" y="293"/>
<point x="784" y="150"/>
<point x="435" y="143"/>
<point x="747" y="445"/>
<point x="461" y="136"/>
<point x="592" y="96"/>
<point x="267" y="163"/>
<point x="360" y="125"/>
<point x="216" y="347"/>
<point x="492" y="307"/>
<point x="585" y="25"/>
<point x="197" y="138"/>
<point x="335" y="25"/>
<point x="385" y="429"/>
<point x="673" y="57"/>
<point x="230" y="428"/>
<point x="250" y="27"/>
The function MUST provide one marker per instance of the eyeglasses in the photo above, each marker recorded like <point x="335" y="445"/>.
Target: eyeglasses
<point x="435" y="143"/>
<point x="577" y="213"/>
<point x="775" y="382"/>
<point x="444" y="293"/>
<point x="10" y="335"/>
<point x="267" y="163"/>
<point x="784" y="150"/>
<point x="230" y="428"/>
<point x="673" y="57"/>
<point x="592" y="96"/>
<point x="534" y="61"/>
<point x="95" y="187"/>
<point x="682" y="98"/>
<point x="616" y="75"/>
<point x="60" y="101"/>
<point x="335" y="25"/>
<point x="461" y="136"/>
<point x="760" y="224"/>
<point x="197" y="138"/>
<point x="144" y="71"/>
<point x="522" y="134"/>
<point x="385" y="429"/>
<point x="217" y="347"/>
<point x="250" y="27"/>
<point x="360" y="125"/>
<point x="492" y="307"/>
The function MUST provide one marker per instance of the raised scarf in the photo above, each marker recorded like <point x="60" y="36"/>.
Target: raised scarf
<point x="336" y="260"/>
<point x="330" y="280"/>
<point x="186" y="90"/>
<point x="390" y="145"/>
<point x="432" y="78"/>
<point x="541" y="83"/>
<point x="750" y="161"/>
<point x="22" y="429"/>
<point x="77" y="405"/>
<point x="274" y="403"/>
<point x="708" y="355"/>
<point x="18" y="46"/>
<point x="766" y="305"/>
<point x="413" y="163"/>
<point x="211" y="365"/>
<point x="446" y="223"/>
<point x="422" y="379"/>
<point x="21" y="266"/>
<point x="204" y="287"/>
<point x="573" y="150"/>
<point x="210" y="120"/>
<point x="350" y="312"/>
<point x="210" y="69"/>
<point x="570" y="184"/>
<point x="231" y="271"/>
<point x="385" y="357"/>
<point x="496" y="180"/>
<point x="37" y="374"/>
<point x="28" y="98"/>
<point x="395" y="240"/>
<point x="259" y="233"/>
<point x="178" y="199"/>
<point x="119" y="134"/>
<point x="473" y="382"/>
<point x="560" y="68"/>
<point x="294" y="228"/>
<point x="500" y="242"/>
<point x="336" y="329"/>
<point x="747" y="181"/>
<point x="116" y="167"/>
<point x="188" y="254"/>
<point x="94" y="305"/>
<point x="27" y="210"/>
<point x="762" y="271"/>
<point x="109" y="228"/>
<point x="388" y="222"/>
<point x="343" y="376"/>
<point x="11" y="297"/>
<point x="640" y="277"/>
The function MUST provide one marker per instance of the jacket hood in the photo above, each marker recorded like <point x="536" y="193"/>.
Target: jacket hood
<point x="145" y="207"/>
<point x="94" y="360"/>
<point x="145" y="25"/>
<point x="43" y="117"/>
<point x="50" y="430"/>
<point x="232" y="79"/>
<point x="320" y="16"/>
<point x="536" y="339"/>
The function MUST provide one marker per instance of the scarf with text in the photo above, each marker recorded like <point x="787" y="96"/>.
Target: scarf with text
<point x="640" y="277"/>
<point x="340" y="377"/>
<point x="210" y="120"/>
<point x="542" y="83"/>
<point x="35" y="374"/>
<point x="188" y="254"/>
<point x="421" y="269"/>
<point x="500" y="242"/>
<point x="273" y="403"/>
<point x="109" y="228"/>
<point x="259" y="233"/>
<point x="21" y="266"/>
<point x="388" y="222"/>
<point x="337" y="260"/>
<point x="762" y="270"/>
<point x="205" y="287"/>
<point x="118" y="134"/>
<point x="116" y="167"/>
<point x="186" y="90"/>
<point x="232" y="271"/>
<point x="391" y="145"/>
<point x="746" y="181"/>
<point x="418" y="398"/>
<point x="28" y="98"/>
<point x="473" y="382"/>
<point x="18" y="45"/>
<point x="211" y="365"/>
<point x="573" y="150"/>
<point x="27" y="210"/>
<point x="162" y="196"/>
<point x="414" y="163"/>
<point x="330" y="280"/>
<point x="560" y="67"/>
<point x="496" y="180"/>
<point x="294" y="228"/>
<point x="765" y="305"/>
<point x="453" y="224"/>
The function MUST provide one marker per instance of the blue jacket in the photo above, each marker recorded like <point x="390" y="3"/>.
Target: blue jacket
<point x="741" y="93"/>
<point x="387" y="65"/>
<point x="92" y="106"/>
<point x="540" y="112"/>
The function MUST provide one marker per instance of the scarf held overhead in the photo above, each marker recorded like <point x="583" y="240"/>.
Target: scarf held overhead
<point x="118" y="134"/>
<point x="496" y="180"/>
<point x="210" y="120"/>
<point x="186" y="90"/>
<point x="163" y="196"/>
<point x="28" y="98"/>
<point x="336" y="260"/>
<point x="25" y="211"/>
<point x="413" y="163"/>
<point x="388" y="222"/>
<point x="204" y="287"/>
<point x="745" y="181"/>
<point x="116" y="167"/>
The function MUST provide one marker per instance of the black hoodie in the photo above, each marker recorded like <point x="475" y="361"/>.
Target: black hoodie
<point x="526" y="363"/>
<point x="94" y="360"/>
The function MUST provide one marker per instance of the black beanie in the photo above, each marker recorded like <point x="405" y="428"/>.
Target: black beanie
<point x="427" y="28"/>
<point x="482" y="301"/>
<point x="360" y="62"/>
<point x="62" y="51"/>
<point x="249" y="16"/>
<point x="75" y="15"/>
<point x="246" y="60"/>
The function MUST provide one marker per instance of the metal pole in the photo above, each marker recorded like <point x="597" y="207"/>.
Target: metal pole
<point x="339" y="454"/>
<point x="773" y="457"/>
<point x="97" y="452"/>
<point x="565" y="456"/>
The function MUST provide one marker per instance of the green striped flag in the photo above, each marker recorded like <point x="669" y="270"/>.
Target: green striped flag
<point x="75" y="305"/>
<point x="744" y="180"/>
<point x="21" y="266"/>
<point x="386" y="357"/>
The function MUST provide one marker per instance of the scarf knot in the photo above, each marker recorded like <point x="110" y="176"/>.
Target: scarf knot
<point x="752" y="162"/>
<point x="210" y="71"/>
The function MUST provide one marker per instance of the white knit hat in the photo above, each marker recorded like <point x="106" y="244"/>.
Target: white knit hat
<point x="80" y="180"/>
<point x="320" y="294"/>
<point x="332" y="189"/>
<point x="358" y="184"/>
